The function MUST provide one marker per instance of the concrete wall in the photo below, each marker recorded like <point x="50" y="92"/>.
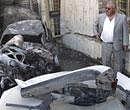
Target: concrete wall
<point x="77" y="16"/>
<point x="77" y="19"/>
<point x="84" y="44"/>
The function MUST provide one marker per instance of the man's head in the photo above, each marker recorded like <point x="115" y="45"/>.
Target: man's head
<point x="110" y="8"/>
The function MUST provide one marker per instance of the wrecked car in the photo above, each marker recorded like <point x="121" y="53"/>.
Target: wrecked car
<point x="24" y="53"/>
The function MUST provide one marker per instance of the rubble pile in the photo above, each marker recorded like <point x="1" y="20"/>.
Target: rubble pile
<point x="18" y="63"/>
<point x="24" y="54"/>
<point x="87" y="94"/>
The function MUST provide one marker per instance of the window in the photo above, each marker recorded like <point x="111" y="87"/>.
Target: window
<point x="55" y="15"/>
<point x="122" y="6"/>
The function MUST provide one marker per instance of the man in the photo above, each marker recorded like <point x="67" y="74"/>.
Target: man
<point x="112" y="29"/>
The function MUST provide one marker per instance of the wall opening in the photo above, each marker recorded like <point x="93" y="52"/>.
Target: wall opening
<point x="54" y="12"/>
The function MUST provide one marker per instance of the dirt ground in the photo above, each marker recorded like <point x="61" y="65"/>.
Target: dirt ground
<point x="71" y="59"/>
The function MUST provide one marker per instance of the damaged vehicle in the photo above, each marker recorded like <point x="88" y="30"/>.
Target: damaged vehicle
<point x="27" y="51"/>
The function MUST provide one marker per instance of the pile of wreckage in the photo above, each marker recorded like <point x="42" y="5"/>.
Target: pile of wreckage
<point x="26" y="45"/>
<point x="26" y="51"/>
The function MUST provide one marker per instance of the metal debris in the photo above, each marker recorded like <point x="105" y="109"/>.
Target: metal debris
<point x="18" y="61"/>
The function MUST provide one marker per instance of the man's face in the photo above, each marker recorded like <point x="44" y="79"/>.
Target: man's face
<point x="110" y="9"/>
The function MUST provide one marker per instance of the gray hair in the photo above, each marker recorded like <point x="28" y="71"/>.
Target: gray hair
<point x="112" y="2"/>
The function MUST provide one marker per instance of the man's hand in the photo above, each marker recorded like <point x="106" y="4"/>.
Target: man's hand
<point x="125" y="47"/>
<point x="98" y="37"/>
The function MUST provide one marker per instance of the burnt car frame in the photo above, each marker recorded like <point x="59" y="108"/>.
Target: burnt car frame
<point x="33" y="59"/>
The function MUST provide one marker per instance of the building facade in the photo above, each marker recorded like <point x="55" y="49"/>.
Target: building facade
<point x="50" y="10"/>
<point x="54" y="10"/>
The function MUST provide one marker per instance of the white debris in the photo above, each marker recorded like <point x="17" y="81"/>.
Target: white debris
<point x="123" y="81"/>
<point x="46" y="77"/>
<point x="13" y="96"/>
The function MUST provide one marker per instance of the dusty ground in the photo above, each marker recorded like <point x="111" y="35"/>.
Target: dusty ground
<point x="71" y="59"/>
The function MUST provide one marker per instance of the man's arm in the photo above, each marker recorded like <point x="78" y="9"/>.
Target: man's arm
<point x="125" y="33"/>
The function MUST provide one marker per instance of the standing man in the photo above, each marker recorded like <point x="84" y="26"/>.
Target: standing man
<point x="112" y="30"/>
